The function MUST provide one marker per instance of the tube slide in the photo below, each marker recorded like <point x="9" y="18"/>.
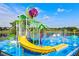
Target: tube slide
<point x="34" y="48"/>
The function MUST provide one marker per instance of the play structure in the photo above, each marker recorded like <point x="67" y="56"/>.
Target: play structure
<point x="31" y="13"/>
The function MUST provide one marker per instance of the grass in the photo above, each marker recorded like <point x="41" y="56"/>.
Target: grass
<point x="10" y="36"/>
<point x="5" y="31"/>
<point x="7" y="38"/>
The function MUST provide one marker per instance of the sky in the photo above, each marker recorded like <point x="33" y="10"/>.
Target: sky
<point x="54" y="15"/>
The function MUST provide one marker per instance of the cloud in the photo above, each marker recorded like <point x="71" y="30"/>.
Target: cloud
<point x="3" y="5"/>
<point x="63" y="10"/>
<point x="9" y="13"/>
<point x="46" y="17"/>
<point x="19" y="10"/>
<point x="4" y="8"/>
<point x="60" y="10"/>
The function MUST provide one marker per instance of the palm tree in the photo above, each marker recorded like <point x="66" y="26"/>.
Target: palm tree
<point x="41" y="31"/>
<point x="21" y="23"/>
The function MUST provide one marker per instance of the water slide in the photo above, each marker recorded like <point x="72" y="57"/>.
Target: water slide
<point x="34" y="48"/>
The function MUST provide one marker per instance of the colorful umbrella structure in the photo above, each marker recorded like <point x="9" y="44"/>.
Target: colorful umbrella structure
<point x="31" y="12"/>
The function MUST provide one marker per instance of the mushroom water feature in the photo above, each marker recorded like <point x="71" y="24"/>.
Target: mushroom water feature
<point x="31" y="13"/>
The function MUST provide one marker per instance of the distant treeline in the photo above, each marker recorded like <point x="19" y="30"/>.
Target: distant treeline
<point x="63" y="28"/>
<point x="4" y="28"/>
<point x="69" y="30"/>
<point x="4" y="31"/>
<point x="66" y="30"/>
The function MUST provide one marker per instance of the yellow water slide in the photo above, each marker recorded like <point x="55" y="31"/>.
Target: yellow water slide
<point x="34" y="48"/>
